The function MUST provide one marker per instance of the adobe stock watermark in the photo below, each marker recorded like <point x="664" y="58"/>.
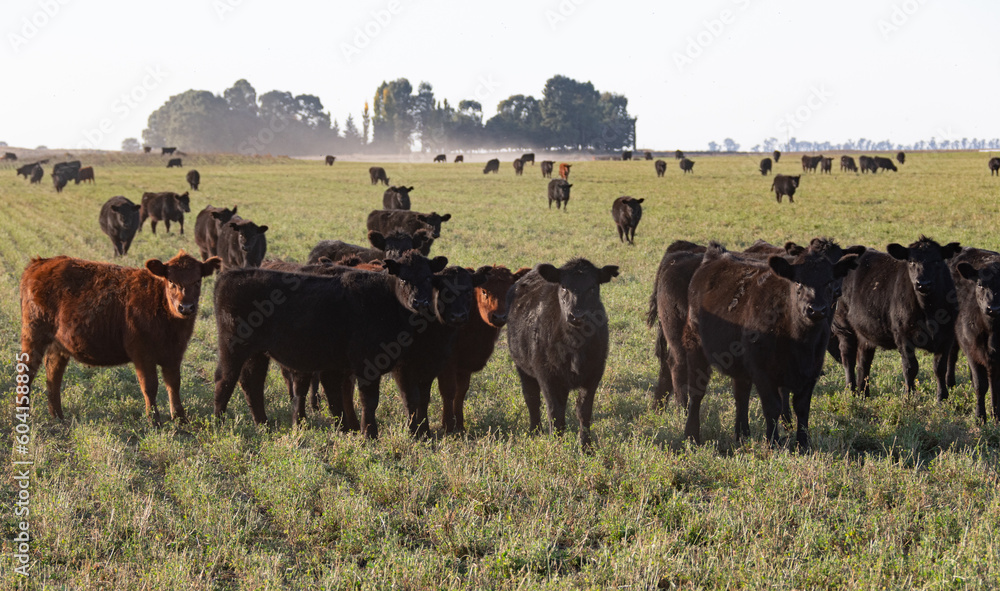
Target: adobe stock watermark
<point x="561" y="13"/>
<point x="818" y="97"/>
<point x="898" y="17"/>
<point x="254" y="145"/>
<point x="711" y="30"/>
<point x="30" y="26"/>
<point x="224" y="7"/>
<point x="123" y="106"/>
<point x="366" y="33"/>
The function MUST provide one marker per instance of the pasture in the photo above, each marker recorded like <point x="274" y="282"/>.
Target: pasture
<point x="898" y="491"/>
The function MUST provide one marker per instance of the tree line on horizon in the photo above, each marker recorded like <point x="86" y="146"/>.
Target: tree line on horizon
<point x="570" y="115"/>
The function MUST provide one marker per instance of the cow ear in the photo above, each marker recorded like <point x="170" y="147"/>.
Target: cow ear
<point x="485" y="270"/>
<point x="408" y="189"/>
<point x="549" y="273"/>
<point x="856" y="249"/>
<point x="794" y="249"/>
<point x="951" y="249"/>
<point x="607" y="272"/>
<point x="210" y="266"/>
<point x="479" y="278"/>
<point x="845" y="265"/>
<point x="640" y="200"/>
<point x="898" y="251"/>
<point x="232" y="224"/>
<point x="325" y="261"/>
<point x="781" y="267"/>
<point x="157" y="267"/>
<point x="376" y="239"/>
<point x="262" y="229"/>
<point x="234" y="210"/>
<point x="521" y="272"/>
<point x="967" y="271"/>
<point x="568" y="185"/>
<point x="438" y="264"/>
<point x="446" y="217"/>
<point x="216" y="214"/>
<point x="117" y="208"/>
<point x="392" y="266"/>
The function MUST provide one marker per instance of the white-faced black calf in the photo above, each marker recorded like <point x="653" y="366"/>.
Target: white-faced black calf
<point x="902" y="300"/>
<point x="558" y="338"/>
<point x="626" y="211"/>
<point x="977" y="280"/>
<point x="764" y="325"/>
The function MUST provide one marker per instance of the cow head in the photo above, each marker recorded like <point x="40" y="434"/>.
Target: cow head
<point x="222" y="215"/>
<point x="434" y="221"/>
<point x="813" y="281"/>
<point x="422" y="240"/>
<point x="250" y="240"/>
<point x="181" y="277"/>
<point x="394" y="244"/>
<point x="834" y="252"/>
<point x="184" y="202"/>
<point x="987" y="278"/>
<point x="795" y="180"/>
<point x="414" y="273"/>
<point x="579" y="288"/>
<point x="454" y="294"/>
<point x="925" y="263"/>
<point x="126" y="210"/>
<point x="491" y="295"/>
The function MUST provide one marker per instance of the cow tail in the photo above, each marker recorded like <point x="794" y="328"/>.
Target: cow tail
<point x="772" y="184"/>
<point x="653" y="316"/>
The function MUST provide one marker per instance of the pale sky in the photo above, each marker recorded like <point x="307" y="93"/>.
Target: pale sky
<point x="693" y="72"/>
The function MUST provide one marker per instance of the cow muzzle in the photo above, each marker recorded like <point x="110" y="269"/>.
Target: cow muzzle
<point x="924" y="287"/>
<point x="816" y="313"/>
<point x="186" y="310"/>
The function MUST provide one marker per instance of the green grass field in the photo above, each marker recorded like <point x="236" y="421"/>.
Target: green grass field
<point x="899" y="492"/>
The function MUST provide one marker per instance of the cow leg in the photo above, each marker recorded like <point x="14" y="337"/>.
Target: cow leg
<point x="447" y="385"/>
<point x="55" y="367"/>
<point x="32" y="353"/>
<point x="172" y="380"/>
<point x="786" y="407"/>
<point x="252" y="378"/>
<point x="314" y="392"/>
<point x="620" y="237"/>
<point x="555" y="401"/>
<point x="910" y="367"/>
<point x="289" y="377"/>
<point x="866" y="354"/>
<point x="302" y="381"/>
<point x="848" y="358"/>
<point x="952" y="362"/>
<point x="994" y="372"/>
<point x="410" y="389"/>
<point x="940" y="374"/>
<point x="227" y="374"/>
<point x="148" y="382"/>
<point x="770" y="404"/>
<point x="741" y="395"/>
<point x="181" y="224"/>
<point x="531" y="390"/>
<point x="699" y="375"/>
<point x="803" y="402"/>
<point x="166" y="224"/>
<point x="584" y="414"/>
<point x="980" y="382"/>
<point x="339" y="390"/>
<point x="369" y="404"/>
<point x="664" y="383"/>
<point x="152" y="224"/>
<point x="462" y="381"/>
<point x="126" y="245"/>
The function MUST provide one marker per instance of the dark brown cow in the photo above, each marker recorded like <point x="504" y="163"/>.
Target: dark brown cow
<point x="564" y="170"/>
<point x="459" y="158"/>
<point x="785" y="185"/>
<point x="242" y="243"/>
<point x="396" y="198"/>
<point x="377" y="173"/>
<point x="547" y="169"/>
<point x="847" y="164"/>
<point x="867" y="164"/>
<point x="687" y="165"/>
<point x="518" y="167"/>
<point x="330" y="160"/>
<point x="559" y="192"/>
<point x="826" y="165"/>
<point x="976" y="274"/>
<point x="9" y="156"/>
<point x="492" y="165"/>
<point x="661" y="167"/>
<point x="441" y="158"/>
<point x="194" y="179"/>
<point x="26" y="170"/>
<point x="765" y="166"/>
<point x="777" y="156"/>
<point x="626" y="211"/>
<point x="147" y="149"/>
<point x="529" y="157"/>
<point x="994" y="166"/>
<point x="86" y="174"/>
<point x="36" y="174"/>
<point x="678" y="155"/>
<point x="206" y="229"/>
<point x="383" y="246"/>
<point x="166" y="207"/>
<point x="648" y="155"/>
<point x="809" y="163"/>
<point x="557" y="331"/>
<point x="781" y="347"/>
<point x="119" y="219"/>
<point x="388" y="221"/>
<point x="475" y="343"/>
<point x="102" y="314"/>
<point x="626" y="155"/>
<point x="165" y="151"/>
<point x="901" y="157"/>
<point x="175" y="163"/>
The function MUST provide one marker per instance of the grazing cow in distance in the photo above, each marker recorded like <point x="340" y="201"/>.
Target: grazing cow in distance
<point x="383" y="246"/>
<point x="441" y="158"/>
<point x="783" y="348"/>
<point x="826" y="165"/>
<point x="206" y="229"/>
<point x="68" y="170"/>
<point x="564" y="170"/>
<point x="492" y="165"/>
<point x="557" y="332"/>
<point x="242" y="243"/>
<point x="26" y="170"/>
<point x="901" y="157"/>
<point x="59" y="180"/>
<point x="36" y="174"/>
<point x="626" y="154"/>
<point x="765" y="166"/>
<point x="119" y="219"/>
<point x="867" y="164"/>
<point x="459" y="158"/>
<point x="648" y="155"/>
<point x="175" y="163"/>
<point x="529" y="157"/>
<point x="147" y="149"/>
<point x="396" y="198"/>
<point x="976" y="274"/>
<point x="559" y="192"/>
<point x="547" y="169"/>
<point x="165" y="151"/>
<point x="377" y="174"/>
<point x="12" y="157"/>
<point x="627" y="211"/>
<point x="661" y="167"/>
<point x="193" y="179"/>
<point x="809" y="163"/>
<point x="678" y="155"/>
<point x="518" y="167"/>
<point x="166" y="207"/>
<point x="103" y="315"/>
<point x="847" y="163"/>
<point x="777" y="156"/>
<point x="994" y="166"/>
<point x="904" y="299"/>
<point x="884" y="163"/>
<point x="687" y="165"/>
<point x="330" y="160"/>
<point x="388" y="221"/>
<point x="475" y="343"/>
<point x="785" y="185"/>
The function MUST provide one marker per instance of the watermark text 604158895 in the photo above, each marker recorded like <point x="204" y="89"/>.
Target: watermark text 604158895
<point x="22" y="470"/>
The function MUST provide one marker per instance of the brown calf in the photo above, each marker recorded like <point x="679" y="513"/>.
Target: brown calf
<point x="564" y="170"/>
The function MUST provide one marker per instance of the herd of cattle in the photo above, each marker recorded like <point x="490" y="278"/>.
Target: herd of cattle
<point x="350" y="314"/>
